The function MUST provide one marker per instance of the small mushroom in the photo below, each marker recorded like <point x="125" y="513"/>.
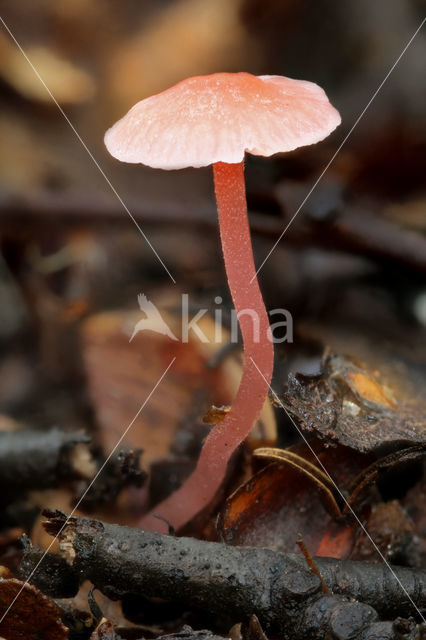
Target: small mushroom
<point x="214" y="120"/>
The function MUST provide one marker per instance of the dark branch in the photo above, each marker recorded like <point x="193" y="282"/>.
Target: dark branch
<point x="237" y="581"/>
<point x="355" y="231"/>
<point x="32" y="460"/>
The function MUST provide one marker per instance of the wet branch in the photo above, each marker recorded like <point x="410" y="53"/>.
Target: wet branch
<point x="240" y="581"/>
<point x="33" y="460"/>
<point x="354" y="231"/>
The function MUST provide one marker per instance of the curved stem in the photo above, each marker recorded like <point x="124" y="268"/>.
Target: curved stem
<point x="200" y="488"/>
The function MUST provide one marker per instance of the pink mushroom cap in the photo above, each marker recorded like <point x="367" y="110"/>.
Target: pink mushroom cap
<point x="217" y="118"/>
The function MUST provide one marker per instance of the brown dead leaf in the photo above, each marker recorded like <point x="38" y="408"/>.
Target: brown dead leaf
<point x="122" y="374"/>
<point x="319" y="479"/>
<point x="303" y="491"/>
<point x="69" y="84"/>
<point x="346" y="481"/>
<point x="205" y="36"/>
<point x="33" y="614"/>
<point x="277" y="504"/>
<point x="333" y="467"/>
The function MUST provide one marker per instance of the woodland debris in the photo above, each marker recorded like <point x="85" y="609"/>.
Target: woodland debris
<point x="251" y="631"/>
<point x="68" y="83"/>
<point x="413" y="503"/>
<point x="295" y="495"/>
<point x="82" y="614"/>
<point x="118" y="391"/>
<point x="311" y="563"/>
<point x="392" y="532"/>
<point x="235" y="582"/>
<point x="31" y="460"/>
<point x="350" y="404"/>
<point x="377" y="472"/>
<point x="78" y="622"/>
<point x="120" y="471"/>
<point x="353" y="231"/>
<point x="277" y="503"/>
<point x="49" y="572"/>
<point x="107" y="630"/>
<point x="216" y="414"/>
<point x="33" y="615"/>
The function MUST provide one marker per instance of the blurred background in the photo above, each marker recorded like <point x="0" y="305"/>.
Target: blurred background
<point x="350" y="268"/>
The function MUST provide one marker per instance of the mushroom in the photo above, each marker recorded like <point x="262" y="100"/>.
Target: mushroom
<point x="214" y="120"/>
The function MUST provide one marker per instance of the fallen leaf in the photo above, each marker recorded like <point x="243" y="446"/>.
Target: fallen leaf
<point x="319" y="479"/>
<point x="277" y="504"/>
<point x="122" y="374"/>
<point x="68" y="83"/>
<point x="207" y="36"/>
<point x="33" y="614"/>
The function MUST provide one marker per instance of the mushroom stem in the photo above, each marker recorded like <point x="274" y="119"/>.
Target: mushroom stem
<point x="200" y="488"/>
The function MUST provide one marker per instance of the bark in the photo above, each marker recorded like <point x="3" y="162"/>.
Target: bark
<point x="34" y="460"/>
<point x="236" y="582"/>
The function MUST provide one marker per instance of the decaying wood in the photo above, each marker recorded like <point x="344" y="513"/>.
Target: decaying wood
<point x="55" y="577"/>
<point x="235" y="582"/>
<point x="119" y="471"/>
<point x="350" y="404"/>
<point x="31" y="460"/>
